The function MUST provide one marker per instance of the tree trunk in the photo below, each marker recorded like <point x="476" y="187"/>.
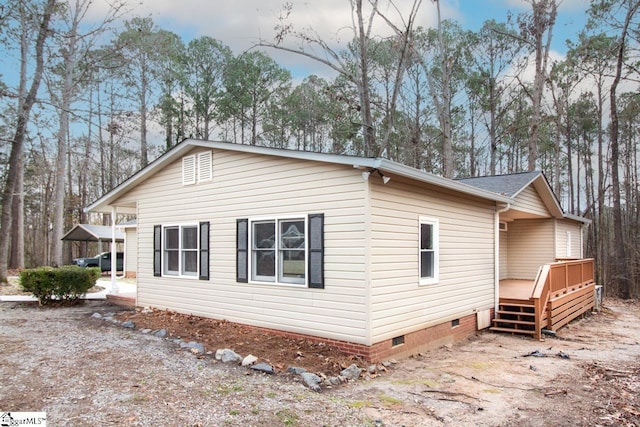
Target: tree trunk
<point x="544" y="16"/>
<point x="621" y="275"/>
<point x="364" y="89"/>
<point x="18" y="140"/>
<point x="70" y="61"/>
<point x="144" y="158"/>
<point x="493" y="143"/>
<point x="16" y="258"/>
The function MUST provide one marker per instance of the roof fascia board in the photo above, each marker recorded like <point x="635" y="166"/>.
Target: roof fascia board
<point x="531" y="181"/>
<point x="548" y="196"/>
<point x="292" y="154"/>
<point x="439" y="181"/>
<point x="578" y="218"/>
<point x="132" y="181"/>
<point x="361" y="162"/>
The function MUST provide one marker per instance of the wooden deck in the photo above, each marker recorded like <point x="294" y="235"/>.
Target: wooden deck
<point x="561" y="292"/>
<point x="516" y="289"/>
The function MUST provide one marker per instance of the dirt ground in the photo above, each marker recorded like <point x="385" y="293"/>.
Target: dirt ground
<point x="279" y="351"/>
<point x="85" y="371"/>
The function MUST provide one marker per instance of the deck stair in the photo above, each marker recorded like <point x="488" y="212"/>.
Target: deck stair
<point x="562" y="291"/>
<point x="515" y="317"/>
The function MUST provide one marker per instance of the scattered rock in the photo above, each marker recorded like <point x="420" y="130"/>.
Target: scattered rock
<point x="96" y="316"/>
<point x="128" y="324"/>
<point x="115" y="321"/>
<point x="312" y="381"/>
<point x="108" y="318"/>
<point x="160" y="333"/>
<point x="145" y="331"/>
<point x="263" y="367"/>
<point x="249" y="360"/>
<point x="296" y="370"/>
<point x="336" y="380"/>
<point x="372" y="369"/>
<point x="351" y="373"/>
<point x="146" y="310"/>
<point x="227" y="356"/>
<point x="199" y="348"/>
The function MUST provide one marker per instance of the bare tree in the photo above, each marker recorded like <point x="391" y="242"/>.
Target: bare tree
<point x="621" y="256"/>
<point x="359" y="75"/>
<point x="537" y="29"/>
<point x="19" y="137"/>
<point x="73" y="47"/>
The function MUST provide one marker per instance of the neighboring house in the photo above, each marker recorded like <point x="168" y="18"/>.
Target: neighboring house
<point x="369" y="255"/>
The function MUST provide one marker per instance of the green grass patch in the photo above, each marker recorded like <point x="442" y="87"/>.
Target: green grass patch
<point x="287" y="417"/>
<point x="359" y="404"/>
<point x="389" y="400"/>
<point x="417" y="381"/>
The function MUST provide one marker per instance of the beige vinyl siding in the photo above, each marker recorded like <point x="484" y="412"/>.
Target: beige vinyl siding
<point x="244" y="186"/>
<point x="131" y="250"/>
<point x="529" y="201"/>
<point x="531" y="244"/>
<point x="504" y="254"/>
<point x="562" y="228"/>
<point x="466" y="260"/>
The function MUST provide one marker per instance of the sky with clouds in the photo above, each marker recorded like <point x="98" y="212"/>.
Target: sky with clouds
<point x="241" y="24"/>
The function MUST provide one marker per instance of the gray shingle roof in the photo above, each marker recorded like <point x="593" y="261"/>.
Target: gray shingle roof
<point x="508" y="185"/>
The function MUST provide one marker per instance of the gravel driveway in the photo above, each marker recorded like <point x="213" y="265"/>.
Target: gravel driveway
<point x="83" y="371"/>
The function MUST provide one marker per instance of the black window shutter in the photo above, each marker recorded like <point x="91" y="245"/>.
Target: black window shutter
<point x="157" y="250"/>
<point x="316" y="251"/>
<point x="242" y="252"/>
<point x="204" y="250"/>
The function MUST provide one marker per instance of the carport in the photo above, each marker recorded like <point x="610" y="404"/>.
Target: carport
<point x="93" y="233"/>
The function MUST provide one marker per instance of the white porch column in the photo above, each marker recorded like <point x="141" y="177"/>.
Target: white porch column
<point x="114" y="254"/>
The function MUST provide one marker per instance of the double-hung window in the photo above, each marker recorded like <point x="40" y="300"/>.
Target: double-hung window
<point x="182" y="250"/>
<point x="281" y="250"/>
<point x="278" y="250"/>
<point x="429" y="255"/>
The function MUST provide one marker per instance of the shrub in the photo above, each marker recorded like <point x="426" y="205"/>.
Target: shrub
<point x="65" y="284"/>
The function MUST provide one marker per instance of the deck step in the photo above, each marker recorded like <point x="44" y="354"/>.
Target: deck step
<point x="513" y="331"/>
<point x="515" y="322"/>
<point x="507" y="304"/>
<point x="516" y="313"/>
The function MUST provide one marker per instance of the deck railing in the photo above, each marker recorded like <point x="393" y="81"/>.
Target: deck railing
<point x="556" y="279"/>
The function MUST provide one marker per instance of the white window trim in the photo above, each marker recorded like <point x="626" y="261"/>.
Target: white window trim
<point x="435" y="222"/>
<point x="277" y="219"/>
<point x="179" y="274"/>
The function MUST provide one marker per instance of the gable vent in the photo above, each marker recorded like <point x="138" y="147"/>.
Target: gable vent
<point x="205" y="167"/>
<point x="502" y="226"/>
<point x="188" y="170"/>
